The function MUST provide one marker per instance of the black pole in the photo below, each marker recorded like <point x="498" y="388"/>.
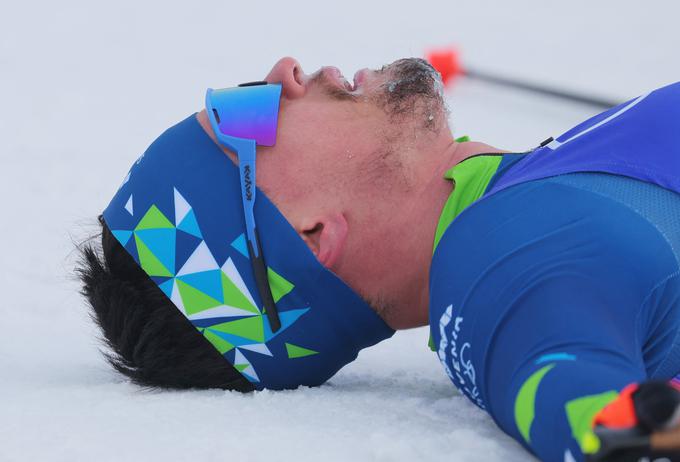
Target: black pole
<point x="544" y="90"/>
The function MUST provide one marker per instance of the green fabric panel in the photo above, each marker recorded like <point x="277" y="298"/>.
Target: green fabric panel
<point x="194" y="300"/>
<point x="295" y="351"/>
<point x="250" y="328"/>
<point x="218" y="342"/>
<point x="234" y="297"/>
<point x="526" y="401"/>
<point x="154" y="219"/>
<point x="278" y="284"/>
<point x="470" y="178"/>
<point x="430" y="343"/>
<point x="581" y="412"/>
<point x="148" y="261"/>
<point x="472" y="175"/>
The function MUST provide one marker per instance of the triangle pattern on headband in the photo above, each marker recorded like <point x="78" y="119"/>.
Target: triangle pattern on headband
<point x="182" y="207"/>
<point x="161" y="243"/>
<point x="233" y="296"/>
<point x="167" y="287"/>
<point x="200" y="260"/>
<point x="190" y="225"/>
<point x="295" y="351"/>
<point x="149" y="262"/>
<point x="250" y="328"/>
<point x="219" y="343"/>
<point x="244" y="366"/>
<point x="278" y="284"/>
<point x="122" y="236"/>
<point x="129" y="206"/>
<point x="215" y="298"/>
<point x="232" y="274"/>
<point x="209" y="282"/>
<point x="222" y="311"/>
<point x="194" y="300"/>
<point x="240" y="244"/>
<point x="154" y="219"/>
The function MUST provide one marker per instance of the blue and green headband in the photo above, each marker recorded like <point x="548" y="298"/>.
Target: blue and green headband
<point x="180" y="214"/>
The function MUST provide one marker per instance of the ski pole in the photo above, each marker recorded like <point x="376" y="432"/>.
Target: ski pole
<point x="447" y="62"/>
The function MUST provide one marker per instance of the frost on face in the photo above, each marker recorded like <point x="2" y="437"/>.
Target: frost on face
<point x="414" y="88"/>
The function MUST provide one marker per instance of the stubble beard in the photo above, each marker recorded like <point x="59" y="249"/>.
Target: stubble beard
<point x="412" y="90"/>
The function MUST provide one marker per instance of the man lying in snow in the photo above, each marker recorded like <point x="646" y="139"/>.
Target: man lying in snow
<point x="550" y="279"/>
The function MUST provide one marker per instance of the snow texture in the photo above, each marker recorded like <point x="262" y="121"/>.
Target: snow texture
<point x="86" y="86"/>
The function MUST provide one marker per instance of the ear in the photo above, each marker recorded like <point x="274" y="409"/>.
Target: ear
<point x="326" y="236"/>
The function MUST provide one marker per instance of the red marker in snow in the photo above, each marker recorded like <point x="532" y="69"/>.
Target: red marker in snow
<point x="447" y="62"/>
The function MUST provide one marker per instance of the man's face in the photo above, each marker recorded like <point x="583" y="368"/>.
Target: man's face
<point x="329" y="125"/>
<point x="326" y="98"/>
<point x="344" y="161"/>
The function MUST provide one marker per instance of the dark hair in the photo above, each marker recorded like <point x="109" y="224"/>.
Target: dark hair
<point x="149" y="340"/>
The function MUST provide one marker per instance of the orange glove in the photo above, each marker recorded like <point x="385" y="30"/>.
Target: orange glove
<point x="642" y="424"/>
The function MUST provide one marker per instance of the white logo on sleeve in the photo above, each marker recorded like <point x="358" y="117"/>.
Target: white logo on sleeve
<point x="461" y="372"/>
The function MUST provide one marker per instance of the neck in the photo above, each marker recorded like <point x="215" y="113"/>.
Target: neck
<point x="412" y="309"/>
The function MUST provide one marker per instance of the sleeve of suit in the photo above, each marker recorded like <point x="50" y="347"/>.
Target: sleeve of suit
<point x="560" y="308"/>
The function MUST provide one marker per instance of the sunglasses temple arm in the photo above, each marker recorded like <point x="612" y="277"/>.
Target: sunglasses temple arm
<point x="262" y="280"/>
<point x="246" y="167"/>
<point x="246" y="164"/>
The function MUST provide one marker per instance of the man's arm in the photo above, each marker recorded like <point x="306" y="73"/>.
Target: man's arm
<point x="558" y="294"/>
<point x="557" y="362"/>
<point x="549" y="386"/>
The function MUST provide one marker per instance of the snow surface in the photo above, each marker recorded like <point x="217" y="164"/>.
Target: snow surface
<point x="85" y="86"/>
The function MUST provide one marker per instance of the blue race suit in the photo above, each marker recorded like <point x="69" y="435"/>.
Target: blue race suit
<point x="559" y="284"/>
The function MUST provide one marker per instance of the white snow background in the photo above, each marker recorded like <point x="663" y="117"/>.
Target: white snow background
<point x="86" y="86"/>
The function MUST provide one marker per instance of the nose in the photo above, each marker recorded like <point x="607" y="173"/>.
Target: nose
<point x="288" y="72"/>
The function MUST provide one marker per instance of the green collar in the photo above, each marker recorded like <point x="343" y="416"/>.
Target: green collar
<point x="470" y="180"/>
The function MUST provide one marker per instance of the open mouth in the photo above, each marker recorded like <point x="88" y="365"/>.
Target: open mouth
<point x="334" y="75"/>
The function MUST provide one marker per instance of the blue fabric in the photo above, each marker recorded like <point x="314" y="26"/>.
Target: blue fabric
<point x="636" y="139"/>
<point x="550" y="273"/>
<point x="570" y="273"/>
<point x="661" y="208"/>
<point x="179" y="214"/>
